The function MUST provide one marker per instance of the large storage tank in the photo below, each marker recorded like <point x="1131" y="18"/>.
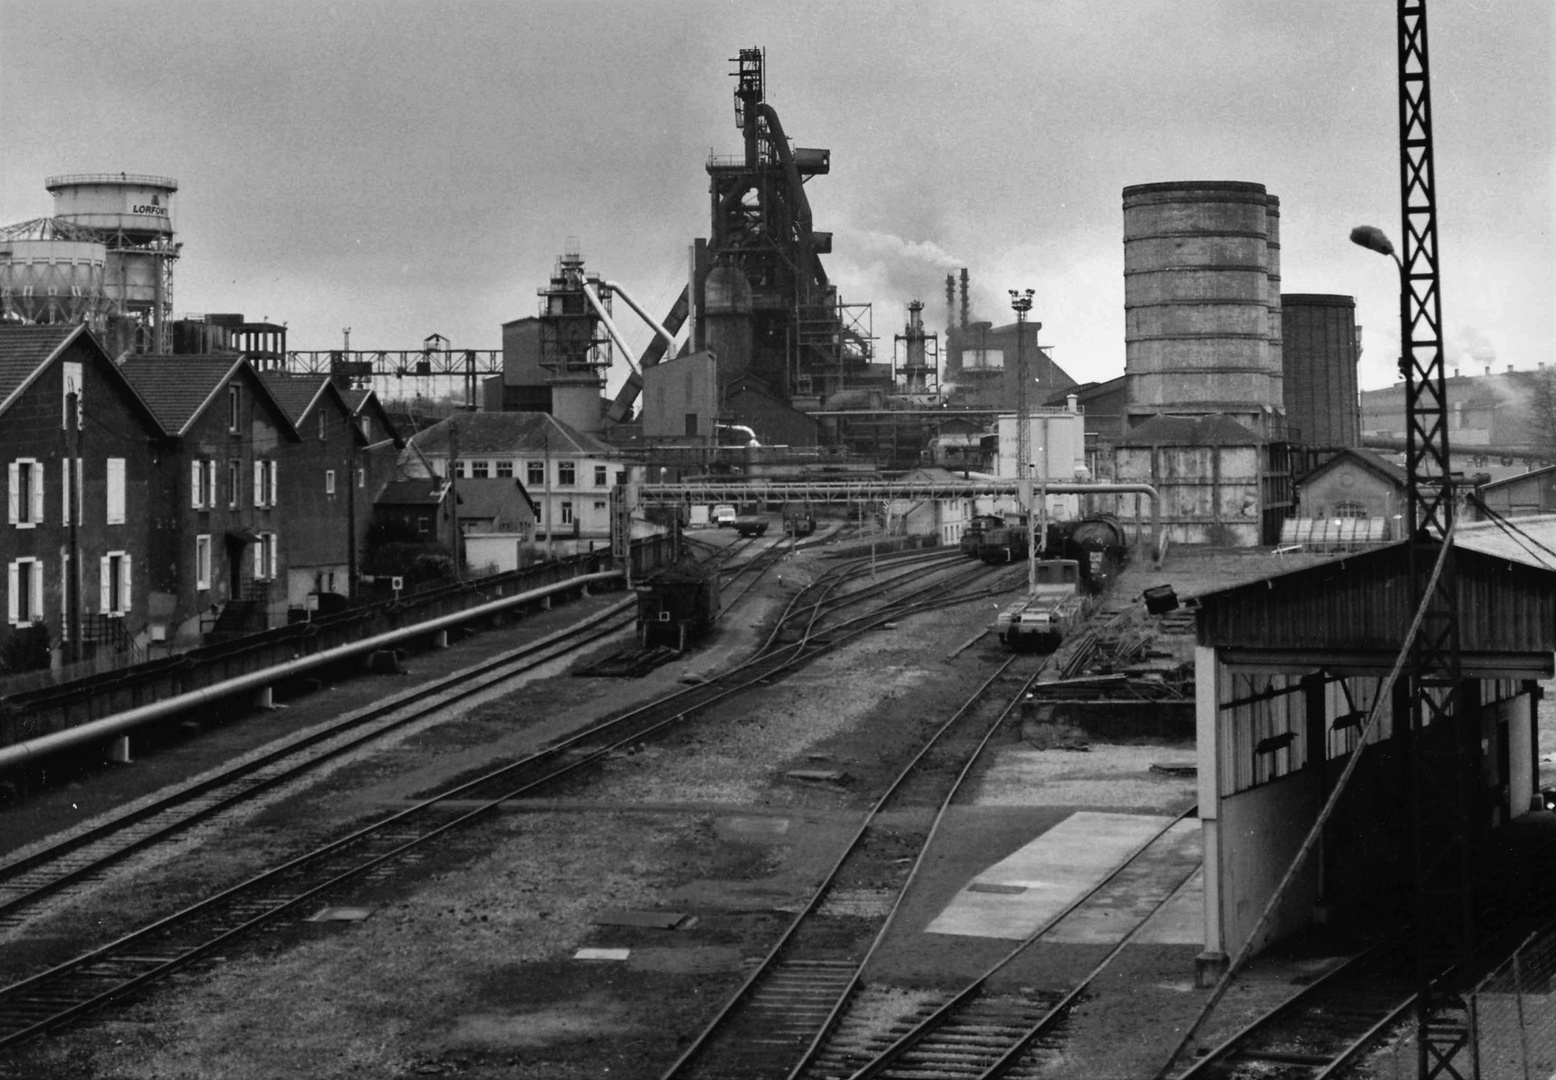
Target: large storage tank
<point x="139" y="207"/>
<point x="1320" y="357"/>
<point x="1202" y="301"/>
<point x="52" y="281"/>
<point x="133" y="216"/>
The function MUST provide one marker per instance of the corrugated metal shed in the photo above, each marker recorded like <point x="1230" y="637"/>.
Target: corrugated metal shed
<point x="1361" y="603"/>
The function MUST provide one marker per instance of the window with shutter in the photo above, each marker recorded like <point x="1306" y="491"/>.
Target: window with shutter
<point x="196" y="486"/>
<point x="13" y="493"/>
<point x="275" y="480"/>
<point x="116" y="491"/>
<point x="203" y="561"/>
<point x="259" y="483"/>
<point x="35" y="593"/>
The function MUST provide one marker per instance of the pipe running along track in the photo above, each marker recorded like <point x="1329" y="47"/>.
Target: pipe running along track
<point x="119" y="723"/>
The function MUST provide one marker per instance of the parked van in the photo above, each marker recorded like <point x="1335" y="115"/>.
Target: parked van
<point x="723" y="514"/>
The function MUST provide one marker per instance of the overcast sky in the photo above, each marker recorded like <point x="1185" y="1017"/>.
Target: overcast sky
<point x="405" y="169"/>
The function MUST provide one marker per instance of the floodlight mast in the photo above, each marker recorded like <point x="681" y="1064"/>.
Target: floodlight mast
<point x="1441" y="799"/>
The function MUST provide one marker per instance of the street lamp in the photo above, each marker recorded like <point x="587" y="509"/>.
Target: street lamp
<point x="1021" y="301"/>
<point x="1375" y="239"/>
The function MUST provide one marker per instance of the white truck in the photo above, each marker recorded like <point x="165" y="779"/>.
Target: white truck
<point x="1039" y="621"/>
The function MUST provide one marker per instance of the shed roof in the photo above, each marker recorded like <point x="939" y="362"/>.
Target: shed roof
<point x="1518" y="478"/>
<point x="1530" y="540"/>
<point x="1354" y="610"/>
<point x="412" y="493"/>
<point x="1370" y="460"/>
<point x="490" y="433"/>
<point x="486" y="498"/>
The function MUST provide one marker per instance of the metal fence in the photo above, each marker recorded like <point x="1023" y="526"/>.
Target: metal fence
<point x="1514" y="1012"/>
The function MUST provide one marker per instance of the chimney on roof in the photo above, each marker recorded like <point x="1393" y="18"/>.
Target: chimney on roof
<point x="1488" y="369"/>
<point x="1510" y="369"/>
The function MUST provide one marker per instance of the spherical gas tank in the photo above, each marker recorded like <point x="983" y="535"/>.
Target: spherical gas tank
<point x="53" y="281"/>
<point x="141" y="207"/>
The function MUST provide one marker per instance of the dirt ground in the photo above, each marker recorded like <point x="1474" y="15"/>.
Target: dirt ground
<point x="467" y="962"/>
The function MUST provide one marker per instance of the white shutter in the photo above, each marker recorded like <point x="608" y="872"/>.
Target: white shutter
<point x="104" y="596"/>
<point x="210" y="477"/>
<point x="196" y="488"/>
<point x="125" y="590"/>
<point x="259" y="558"/>
<point x="13" y="491"/>
<point x="259" y="483"/>
<point x="37" y="492"/>
<point x="13" y="584"/>
<point x="37" y="589"/>
<point x="116" y="491"/>
<point x="275" y="479"/>
<point x="64" y="491"/>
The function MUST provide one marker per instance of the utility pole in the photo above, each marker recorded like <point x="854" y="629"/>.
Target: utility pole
<point x="73" y="481"/>
<point x="453" y="493"/>
<point x="352" y="429"/>
<point x="1022" y="302"/>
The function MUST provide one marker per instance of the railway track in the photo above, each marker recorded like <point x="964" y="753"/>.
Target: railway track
<point x="53" y="998"/>
<point x="84" y="858"/>
<point x="994" y="1026"/>
<point x="1324" y="1027"/>
<point x="773" y="1023"/>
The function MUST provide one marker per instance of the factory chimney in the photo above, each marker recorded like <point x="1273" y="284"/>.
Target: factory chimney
<point x="950" y="302"/>
<point x="966" y="313"/>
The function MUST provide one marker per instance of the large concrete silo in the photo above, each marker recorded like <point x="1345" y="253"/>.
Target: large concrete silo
<point x="1202" y="302"/>
<point x="1320" y="357"/>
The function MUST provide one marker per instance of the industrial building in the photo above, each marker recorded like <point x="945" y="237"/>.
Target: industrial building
<point x="1289" y="668"/>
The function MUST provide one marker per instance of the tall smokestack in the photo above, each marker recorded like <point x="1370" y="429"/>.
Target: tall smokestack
<point x="966" y="312"/>
<point x="950" y="301"/>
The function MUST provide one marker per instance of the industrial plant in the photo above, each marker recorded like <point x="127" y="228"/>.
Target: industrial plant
<point x="1227" y="574"/>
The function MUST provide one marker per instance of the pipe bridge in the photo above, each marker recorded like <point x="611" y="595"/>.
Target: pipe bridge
<point x="847" y="491"/>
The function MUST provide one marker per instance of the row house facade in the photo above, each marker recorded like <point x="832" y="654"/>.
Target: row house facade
<point x="118" y="447"/>
<point x="328" y="486"/>
<point x="211" y="499"/>
<point x="222" y="560"/>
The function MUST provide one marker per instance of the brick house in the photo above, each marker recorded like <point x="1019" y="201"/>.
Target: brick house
<point x="121" y="449"/>
<point x="222" y="564"/>
<point x="329" y="479"/>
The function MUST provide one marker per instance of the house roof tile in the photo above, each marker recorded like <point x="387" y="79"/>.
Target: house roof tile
<point x="23" y="350"/>
<point x="484" y="434"/>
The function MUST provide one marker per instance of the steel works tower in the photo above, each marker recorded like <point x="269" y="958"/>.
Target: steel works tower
<point x="760" y="298"/>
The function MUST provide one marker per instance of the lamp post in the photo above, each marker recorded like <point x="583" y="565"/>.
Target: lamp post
<point x="1021" y="301"/>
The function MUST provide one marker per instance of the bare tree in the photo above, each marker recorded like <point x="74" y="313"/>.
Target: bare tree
<point x="1542" y="412"/>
